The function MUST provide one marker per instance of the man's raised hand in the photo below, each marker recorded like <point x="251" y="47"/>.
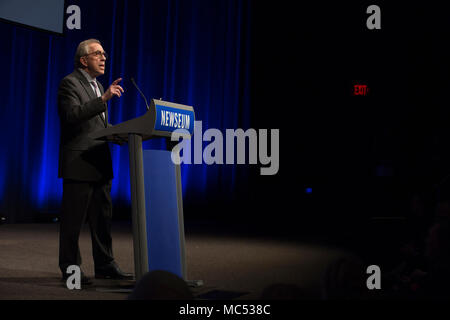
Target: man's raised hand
<point x="113" y="90"/>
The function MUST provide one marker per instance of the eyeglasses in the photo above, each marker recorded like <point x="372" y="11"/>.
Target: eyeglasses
<point x="98" y="53"/>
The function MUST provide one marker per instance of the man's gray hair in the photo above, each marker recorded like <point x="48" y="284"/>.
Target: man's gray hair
<point x="82" y="50"/>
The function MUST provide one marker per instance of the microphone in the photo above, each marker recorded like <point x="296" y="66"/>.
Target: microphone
<point x="134" y="83"/>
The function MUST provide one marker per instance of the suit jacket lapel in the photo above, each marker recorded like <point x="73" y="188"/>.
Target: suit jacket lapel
<point x="87" y="86"/>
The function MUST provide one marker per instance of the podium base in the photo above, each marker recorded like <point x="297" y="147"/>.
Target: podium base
<point x="117" y="290"/>
<point x="194" y="283"/>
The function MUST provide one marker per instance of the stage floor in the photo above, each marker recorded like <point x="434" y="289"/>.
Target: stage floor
<point x="231" y="267"/>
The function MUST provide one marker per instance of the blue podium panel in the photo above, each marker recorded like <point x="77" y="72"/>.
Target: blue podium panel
<point x="163" y="233"/>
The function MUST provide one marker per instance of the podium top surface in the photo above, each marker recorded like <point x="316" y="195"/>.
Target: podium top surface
<point x="161" y="120"/>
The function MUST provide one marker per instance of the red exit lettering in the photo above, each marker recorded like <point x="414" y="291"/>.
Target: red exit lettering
<point x="360" y="90"/>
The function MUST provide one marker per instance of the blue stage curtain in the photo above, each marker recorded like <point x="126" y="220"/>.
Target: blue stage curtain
<point x="185" y="51"/>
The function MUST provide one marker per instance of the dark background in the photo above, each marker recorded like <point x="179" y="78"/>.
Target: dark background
<point x="274" y="65"/>
<point x="375" y="163"/>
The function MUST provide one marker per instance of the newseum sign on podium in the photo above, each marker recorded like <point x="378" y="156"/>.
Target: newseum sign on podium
<point x="156" y="193"/>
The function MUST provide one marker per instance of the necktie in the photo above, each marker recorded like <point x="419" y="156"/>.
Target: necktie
<point x="98" y="94"/>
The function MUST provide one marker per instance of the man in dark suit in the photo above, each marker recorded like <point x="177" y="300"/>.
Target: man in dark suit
<point x="85" y="164"/>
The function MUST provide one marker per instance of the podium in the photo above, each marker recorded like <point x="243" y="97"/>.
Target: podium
<point x="155" y="182"/>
